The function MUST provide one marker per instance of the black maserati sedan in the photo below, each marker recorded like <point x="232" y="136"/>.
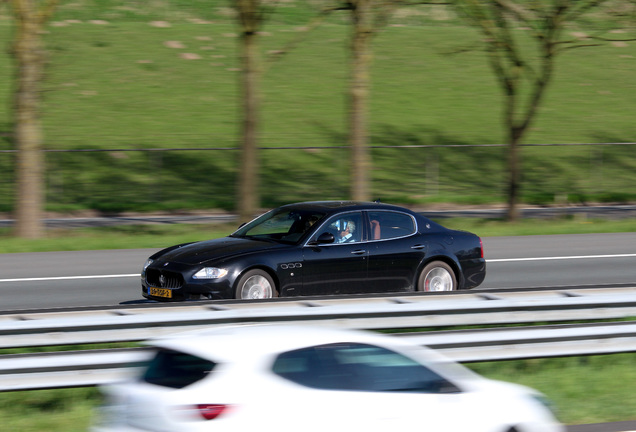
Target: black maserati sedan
<point x="319" y="248"/>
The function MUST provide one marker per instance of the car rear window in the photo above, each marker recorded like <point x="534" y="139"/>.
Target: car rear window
<point x="176" y="369"/>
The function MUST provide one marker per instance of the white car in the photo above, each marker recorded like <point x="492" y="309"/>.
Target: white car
<point x="294" y="378"/>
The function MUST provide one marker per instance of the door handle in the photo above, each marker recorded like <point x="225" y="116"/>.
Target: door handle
<point x="418" y="246"/>
<point x="359" y="252"/>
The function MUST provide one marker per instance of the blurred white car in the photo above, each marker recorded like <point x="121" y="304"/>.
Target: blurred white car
<point x="294" y="378"/>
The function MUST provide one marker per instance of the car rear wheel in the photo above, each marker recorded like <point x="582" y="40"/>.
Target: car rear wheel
<point x="256" y="284"/>
<point x="437" y="276"/>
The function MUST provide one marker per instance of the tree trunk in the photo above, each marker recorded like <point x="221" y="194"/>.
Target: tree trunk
<point x="359" y="96"/>
<point x="514" y="173"/>
<point x="29" y="56"/>
<point x="248" y="187"/>
<point x="517" y="129"/>
<point x="510" y="83"/>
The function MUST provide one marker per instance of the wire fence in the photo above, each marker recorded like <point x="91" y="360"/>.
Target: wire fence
<point x="145" y="179"/>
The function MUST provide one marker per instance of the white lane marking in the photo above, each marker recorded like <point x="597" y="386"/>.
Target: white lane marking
<point x="488" y="261"/>
<point x="69" y="278"/>
<point x="561" y="258"/>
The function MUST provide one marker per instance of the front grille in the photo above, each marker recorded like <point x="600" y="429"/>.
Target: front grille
<point x="164" y="278"/>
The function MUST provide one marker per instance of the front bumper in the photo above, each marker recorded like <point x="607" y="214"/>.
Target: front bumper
<point x="175" y="283"/>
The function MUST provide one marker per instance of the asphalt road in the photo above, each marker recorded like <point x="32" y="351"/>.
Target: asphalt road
<point x="104" y="278"/>
<point x="560" y="260"/>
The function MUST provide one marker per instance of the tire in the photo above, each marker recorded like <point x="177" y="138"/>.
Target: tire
<point x="256" y="284"/>
<point x="437" y="276"/>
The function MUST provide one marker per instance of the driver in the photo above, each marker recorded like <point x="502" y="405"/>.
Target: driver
<point x="346" y="230"/>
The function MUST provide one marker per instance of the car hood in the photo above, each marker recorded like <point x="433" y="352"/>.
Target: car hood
<point x="216" y="249"/>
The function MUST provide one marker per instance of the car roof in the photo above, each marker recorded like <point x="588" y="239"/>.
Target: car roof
<point x="334" y="206"/>
<point x="235" y="342"/>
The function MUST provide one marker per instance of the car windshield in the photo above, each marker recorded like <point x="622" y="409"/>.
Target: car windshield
<point x="281" y="225"/>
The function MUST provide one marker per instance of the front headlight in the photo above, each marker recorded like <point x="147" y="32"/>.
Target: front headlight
<point x="210" y="273"/>
<point x="147" y="264"/>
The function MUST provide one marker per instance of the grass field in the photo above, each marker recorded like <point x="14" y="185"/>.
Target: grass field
<point x="160" y="236"/>
<point x="584" y="390"/>
<point x="120" y="79"/>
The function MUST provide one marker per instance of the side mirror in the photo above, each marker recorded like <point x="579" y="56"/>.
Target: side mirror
<point x="324" y="238"/>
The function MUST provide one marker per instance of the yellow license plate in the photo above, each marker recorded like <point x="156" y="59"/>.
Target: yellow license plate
<point x="160" y="292"/>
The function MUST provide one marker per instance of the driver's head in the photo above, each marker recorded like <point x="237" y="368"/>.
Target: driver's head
<point x="348" y="226"/>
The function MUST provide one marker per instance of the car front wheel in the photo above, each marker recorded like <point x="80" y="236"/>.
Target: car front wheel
<point x="437" y="276"/>
<point x="256" y="284"/>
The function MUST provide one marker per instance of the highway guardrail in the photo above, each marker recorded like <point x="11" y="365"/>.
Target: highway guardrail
<point x="93" y="367"/>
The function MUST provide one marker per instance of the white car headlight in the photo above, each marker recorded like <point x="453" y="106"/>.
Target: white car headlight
<point x="148" y="263"/>
<point x="210" y="273"/>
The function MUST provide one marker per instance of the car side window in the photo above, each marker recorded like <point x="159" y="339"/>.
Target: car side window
<point x="346" y="228"/>
<point x="359" y="367"/>
<point x="388" y="224"/>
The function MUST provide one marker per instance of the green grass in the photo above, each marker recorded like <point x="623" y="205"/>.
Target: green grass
<point x="68" y="410"/>
<point x="584" y="389"/>
<point x="122" y="237"/>
<point x="160" y="236"/>
<point x="564" y="225"/>
<point x="126" y="85"/>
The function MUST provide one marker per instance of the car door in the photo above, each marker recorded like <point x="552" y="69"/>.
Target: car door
<point x="333" y="267"/>
<point x="395" y="251"/>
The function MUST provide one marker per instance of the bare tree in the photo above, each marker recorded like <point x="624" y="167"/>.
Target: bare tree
<point x="252" y="15"/>
<point x="523" y="75"/>
<point x="29" y="55"/>
<point x="368" y="18"/>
